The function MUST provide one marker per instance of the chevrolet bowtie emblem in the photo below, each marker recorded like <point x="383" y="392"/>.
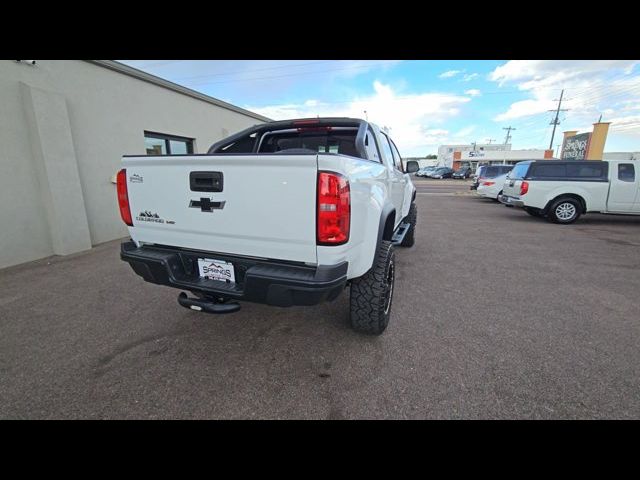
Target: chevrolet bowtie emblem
<point x="206" y="204"/>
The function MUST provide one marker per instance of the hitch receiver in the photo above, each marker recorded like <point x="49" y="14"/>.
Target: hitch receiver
<point x="208" y="306"/>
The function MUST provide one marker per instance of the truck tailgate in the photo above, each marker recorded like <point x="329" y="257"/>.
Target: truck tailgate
<point x="265" y="207"/>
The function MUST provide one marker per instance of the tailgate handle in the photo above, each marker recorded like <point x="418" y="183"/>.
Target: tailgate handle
<point x="206" y="181"/>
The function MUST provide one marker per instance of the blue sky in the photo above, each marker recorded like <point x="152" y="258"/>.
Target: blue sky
<point x="429" y="103"/>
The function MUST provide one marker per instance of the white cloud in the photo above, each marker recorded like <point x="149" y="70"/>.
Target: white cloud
<point x="450" y="73"/>
<point x="436" y="131"/>
<point x="464" y="132"/>
<point x="545" y="71"/>
<point x="413" y="119"/>
<point x="470" y="76"/>
<point x="433" y="136"/>
<point x="627" y="125"/>
<point x="592" y="88"/>
<point x="525" y="108"/>
<point x="474" y="92"/>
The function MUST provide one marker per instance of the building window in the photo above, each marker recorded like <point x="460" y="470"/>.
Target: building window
<point x="162" y="144"/>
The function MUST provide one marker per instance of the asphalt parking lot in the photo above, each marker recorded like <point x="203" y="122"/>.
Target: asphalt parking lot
<point x="496" y="314"/>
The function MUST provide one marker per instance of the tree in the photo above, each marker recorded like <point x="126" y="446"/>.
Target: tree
<point x="431" y="157"/>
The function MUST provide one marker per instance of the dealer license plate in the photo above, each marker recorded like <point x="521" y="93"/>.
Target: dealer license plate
<point x="213" y="269"/>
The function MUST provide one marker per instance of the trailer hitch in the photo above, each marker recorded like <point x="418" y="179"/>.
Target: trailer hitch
<point x="208" y="305"/>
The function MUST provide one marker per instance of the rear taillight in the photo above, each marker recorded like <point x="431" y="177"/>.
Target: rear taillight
<point x="488" y="184"/>
<point x="334" y="209"/>
<point x="524" y="188"/>
<point x="123" y="198"/>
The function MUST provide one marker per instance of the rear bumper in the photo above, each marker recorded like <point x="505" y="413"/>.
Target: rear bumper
<point x="260" y="281"/>
<point x="515" y="202"/>
<point x="486" y="193"/>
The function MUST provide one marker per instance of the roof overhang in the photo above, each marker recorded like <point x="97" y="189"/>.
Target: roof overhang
<point x="147" y="77"/>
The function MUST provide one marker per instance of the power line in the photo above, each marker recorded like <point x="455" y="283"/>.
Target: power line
<point x="352" y="67"/>
<point x="251" y="70"/>
<point x="606" y="79"/>
<point x="555" y="121"/>
<point x="508" y="137"/>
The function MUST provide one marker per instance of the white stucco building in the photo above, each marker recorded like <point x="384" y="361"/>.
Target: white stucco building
<point x="64" y="126"/>
<point x="457" y="156"/>
<point x="446" y="152"/>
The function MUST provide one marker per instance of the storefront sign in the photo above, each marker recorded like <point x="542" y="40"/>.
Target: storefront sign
<point x="576" y="147"/>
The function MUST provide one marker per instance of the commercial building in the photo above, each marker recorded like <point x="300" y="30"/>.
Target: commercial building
<point x="64" y="125"/>
<point x="507" y="157"/>
<point x="621" y="156"/>
<point x="457" y="156"/>
<point x="446" y="153"/>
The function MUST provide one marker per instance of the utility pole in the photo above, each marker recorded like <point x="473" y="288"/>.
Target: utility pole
<point x="508" y="137"/>
<point x="555" y="121"/>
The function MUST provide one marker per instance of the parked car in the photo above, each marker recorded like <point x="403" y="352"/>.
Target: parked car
<point x="283" y="213"/>
<point x="563" y="190"/>
<point x="462" y="173"/>
<point x="492" y="187"/>
<point x="441" y="172"/>
<point x="489" y="171"/>
<point x="424" y="171"/>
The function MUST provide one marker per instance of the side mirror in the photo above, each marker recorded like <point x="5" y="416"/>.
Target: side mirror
<point x="412" y="166"/>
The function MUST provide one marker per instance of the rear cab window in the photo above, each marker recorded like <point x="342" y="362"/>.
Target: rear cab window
<point x="494" y="171"/>
<point x="338" y="136"/>
<point x="336" y="140"/>
<point x="519" y="171"/>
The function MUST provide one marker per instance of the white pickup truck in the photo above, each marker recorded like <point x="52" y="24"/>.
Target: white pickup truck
<point x="283" y="213"/>
<point x="564" y="190"/>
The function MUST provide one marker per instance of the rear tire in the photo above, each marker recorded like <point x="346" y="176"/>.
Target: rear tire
<point x="412" y="218"/>
<point x="372" y="293"/>
<point x="565" y="211"/>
